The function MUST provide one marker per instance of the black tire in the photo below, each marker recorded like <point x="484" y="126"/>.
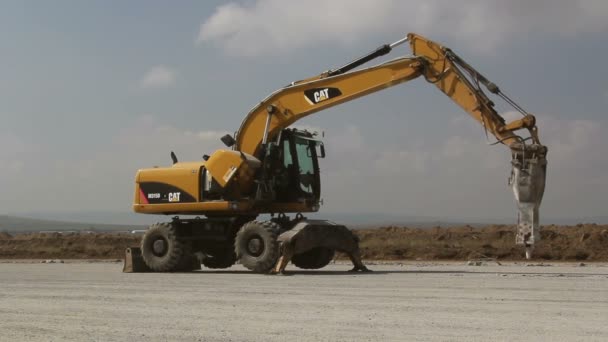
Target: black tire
<point x="224" y="259"/>
<point x="314" y="259"/>
<point x="256" y="245"/>
<point x="169" y="252"/>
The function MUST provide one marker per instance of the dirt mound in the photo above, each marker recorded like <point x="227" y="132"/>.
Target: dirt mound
<point x="581" y="242"/>
<point x="67" y="246"/>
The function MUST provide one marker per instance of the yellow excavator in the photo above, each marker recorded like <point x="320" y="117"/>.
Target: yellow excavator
<point x="269" y="168"/>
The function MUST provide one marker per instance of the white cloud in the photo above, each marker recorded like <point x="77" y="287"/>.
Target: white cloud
<point x="572" y="141"/>
<point x="12" y="145"/>
<point x="455" y="147"/>
<point x="348" y="140"/>
<point x="158" y="77"/>
<point x="12" y="167"/>
<point x="276" y="26"/>
<point x="102" y="179"/>
<point x="511" y="116"/>
<point x="312" y="129"/>
<point x="399" y="162"/>
<point x="208" y="135"/>
<point x="152" y="141"/>
<point x="13" y="154"/>
<point x="460" y="175"/>
<point x="412" y="179"/>
<point x="457" y="175"/>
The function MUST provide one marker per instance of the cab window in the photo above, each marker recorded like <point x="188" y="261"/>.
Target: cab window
<point x="305" y="149"/>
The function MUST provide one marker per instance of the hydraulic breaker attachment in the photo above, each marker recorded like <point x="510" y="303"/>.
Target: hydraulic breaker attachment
<point x="528" y="183"/>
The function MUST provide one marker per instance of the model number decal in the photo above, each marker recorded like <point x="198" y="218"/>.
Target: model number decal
<point x="163" y="193"/>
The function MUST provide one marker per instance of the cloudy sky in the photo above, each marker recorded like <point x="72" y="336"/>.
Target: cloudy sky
<point x="92" y="91"/>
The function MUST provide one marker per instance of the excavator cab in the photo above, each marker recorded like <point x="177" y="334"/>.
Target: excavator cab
<point x="291" y="168"/>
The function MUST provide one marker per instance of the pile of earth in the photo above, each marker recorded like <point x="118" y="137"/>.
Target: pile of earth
<point x="66" y="245"/>
<point x="581" y="242"/>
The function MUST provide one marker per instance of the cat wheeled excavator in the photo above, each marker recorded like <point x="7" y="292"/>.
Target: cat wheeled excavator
<point x="270" y="168"/>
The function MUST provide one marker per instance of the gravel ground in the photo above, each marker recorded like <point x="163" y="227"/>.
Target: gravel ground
<point x="410" y="301"/>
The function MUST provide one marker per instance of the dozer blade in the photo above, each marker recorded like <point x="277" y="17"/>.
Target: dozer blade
<point x="134" y="261"/>
<point x="528" y="183"/>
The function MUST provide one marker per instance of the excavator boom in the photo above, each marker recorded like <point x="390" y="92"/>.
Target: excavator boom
<point x="290" y="104"/>
<point x="437" y="65"/>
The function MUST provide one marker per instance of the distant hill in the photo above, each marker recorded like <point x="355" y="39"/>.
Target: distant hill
<point x="13" y="224"/>
<point x="87" y="221"/>
<point x="96" y="217"/>
<point x="355" y="220"/>
<point x="126" y="221"/>
<point x="374" y="220"/>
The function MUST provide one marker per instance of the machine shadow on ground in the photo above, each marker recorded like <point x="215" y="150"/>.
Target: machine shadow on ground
<point x="385" y="272"/>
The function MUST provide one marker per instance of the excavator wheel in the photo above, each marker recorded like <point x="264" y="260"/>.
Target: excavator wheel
<point x="256" y="245"/>
<point x="162" y="250"/>
<point x="313" y="259"/>
<point x="223" y="259"/>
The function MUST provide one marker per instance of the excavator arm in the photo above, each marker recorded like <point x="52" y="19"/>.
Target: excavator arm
<point x="292" y="103"/>
<point x="437" y="65"/>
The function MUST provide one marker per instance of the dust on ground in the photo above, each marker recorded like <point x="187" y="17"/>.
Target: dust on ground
<point x="582" y="242"/>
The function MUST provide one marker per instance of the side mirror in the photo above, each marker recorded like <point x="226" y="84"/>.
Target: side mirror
<point x="321" y="151"/>
<point x="228" y="140"/>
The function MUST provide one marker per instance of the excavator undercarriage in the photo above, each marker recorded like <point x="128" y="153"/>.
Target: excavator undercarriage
<point x="183" y="244"/>
<point x="272" y="169"/>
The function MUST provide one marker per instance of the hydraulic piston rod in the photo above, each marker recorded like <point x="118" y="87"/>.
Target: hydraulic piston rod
<point x="381" y="51"/>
